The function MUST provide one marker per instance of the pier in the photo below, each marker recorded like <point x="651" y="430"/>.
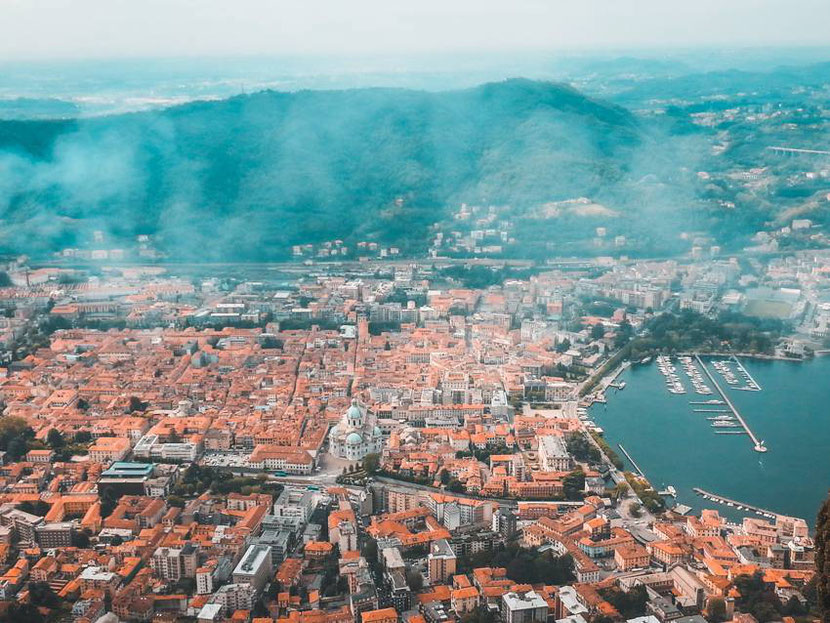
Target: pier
<point x="632" y="461"/>
<point x="719" y="499"/>
<point x="756" y="384"/>
<point x="757" y="444"/>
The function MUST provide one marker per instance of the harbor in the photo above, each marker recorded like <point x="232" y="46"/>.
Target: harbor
<point x="758" y="445"/>
<point x="740" y="506"/>
<point x="674" y="445"/>
<point x="669" y="372"/>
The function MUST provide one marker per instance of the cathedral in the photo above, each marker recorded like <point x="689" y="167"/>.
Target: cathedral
<point x="355" y="435"/>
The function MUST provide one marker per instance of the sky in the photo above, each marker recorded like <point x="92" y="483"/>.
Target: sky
<point x="71" y="29"/>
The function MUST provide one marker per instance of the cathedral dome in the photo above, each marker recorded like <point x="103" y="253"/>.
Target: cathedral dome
<point x="354" y="412"/>
<point x="354" y="439"/>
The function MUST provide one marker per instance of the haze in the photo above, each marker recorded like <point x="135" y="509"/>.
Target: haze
<point x="48" y="29"/>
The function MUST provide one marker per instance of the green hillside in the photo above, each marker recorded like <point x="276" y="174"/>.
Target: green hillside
<point x="247" y="177"/>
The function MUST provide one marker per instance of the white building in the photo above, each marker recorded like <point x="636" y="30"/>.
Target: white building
<point x="355" y="435"/>
<point x="553" y="454"/>
<point x="255" y="567"/>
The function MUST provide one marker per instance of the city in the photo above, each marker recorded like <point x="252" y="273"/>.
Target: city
<point x="378" y="441"/>
<point x="447" y="311"/>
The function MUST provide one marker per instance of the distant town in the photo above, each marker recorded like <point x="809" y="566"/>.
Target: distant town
<point x="384" y="440"/>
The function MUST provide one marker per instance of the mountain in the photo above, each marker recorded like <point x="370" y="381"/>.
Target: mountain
<point x="36" y="108"/>
<point x="247" y="177"/>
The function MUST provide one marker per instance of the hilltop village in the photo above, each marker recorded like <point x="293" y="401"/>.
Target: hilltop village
<point x="383" y="442"/>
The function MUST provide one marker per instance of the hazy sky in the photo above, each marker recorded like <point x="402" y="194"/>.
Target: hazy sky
<point x="117" y="28"/>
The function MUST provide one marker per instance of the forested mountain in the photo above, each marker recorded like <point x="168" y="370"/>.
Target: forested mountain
<point x="246" y="177"/>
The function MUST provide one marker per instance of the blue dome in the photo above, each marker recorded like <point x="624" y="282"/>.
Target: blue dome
<point x="354" y="439"/>
<point x="354" y="413"/>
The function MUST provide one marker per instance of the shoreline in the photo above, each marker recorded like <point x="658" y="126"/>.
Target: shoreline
<point x="696" y="501"/>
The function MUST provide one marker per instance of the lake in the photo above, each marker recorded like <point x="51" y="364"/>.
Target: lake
<point x="676" y="446"/>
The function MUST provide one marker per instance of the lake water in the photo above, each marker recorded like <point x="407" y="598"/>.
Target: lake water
<point x="673" y="445"/>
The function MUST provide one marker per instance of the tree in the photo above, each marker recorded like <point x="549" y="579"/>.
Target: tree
<point x="823" y="561"/>
<point x="80" y="539"/>
<point x="17" y="448"/>
<point x="597" y="331"/>
<point x="414" y="580"/>
<point x="82" y="404"/>
<point x="41" y="594"/>
<point x="175" y="500"/>
<point x="629" y="604"/>
<point x="23" y="613"/>
<point x="15" y="436"/>
<point x="445" y="477"/>
<point x="83" y="436"/>
<point x="757" y="597"/>
<point x="371" y="463"/>
<point x="136" y="405"/>
<point x="54" y="439"/>
<point x="620" y="491"/>
<point x="456" y="486"/>
<point x="716" y="610"/>
<point x="574" y="485"/>
<point x="794" y="607"/>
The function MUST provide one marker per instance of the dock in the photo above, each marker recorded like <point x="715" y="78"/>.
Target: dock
<point x="719" y="499"/>
<point x="757" y="385"/>
<point x="631" y="460"/>
<point x="757" y="444"/>
<point x="711" y="410"/>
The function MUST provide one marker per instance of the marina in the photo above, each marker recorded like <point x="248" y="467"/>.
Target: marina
<point x="669" y="372"/>
<point x="671" y="444"/>
<point x="696" y="378"/>
<point x="742" y="506"/>
<point x="752" y="385"/>
<point x="738" y="379"/>
<point x="758" y="445"/>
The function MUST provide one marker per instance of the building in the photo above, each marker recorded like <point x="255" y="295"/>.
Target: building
<point x="54" y="535"/>
<point x="108" y="449"/>
<point x="384" y="615"/>
<point x="278" y="458"/>
<point x="255" y="568"/>
<point x="553" y="454"/>
<point x="631" y="556"/>
<point x="233" y="597"/>
<point x="173" y="564"/>
<point x="355" y="435"/>
<point x="124" y="478"/>
<point x="441" y="560"/>
<point x="526" y="607"/>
